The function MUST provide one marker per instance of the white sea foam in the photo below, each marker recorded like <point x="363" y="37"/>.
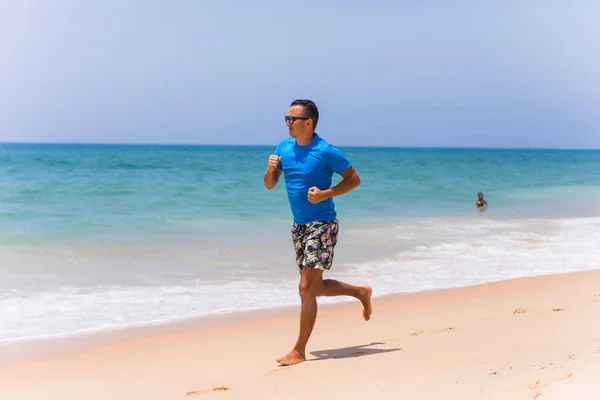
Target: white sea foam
<point x="397" y="258"/>
<point x="476" y="251"/>
<point x="76" y="310"/>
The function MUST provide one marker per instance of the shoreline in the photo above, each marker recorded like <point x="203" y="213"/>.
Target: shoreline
<point x="183" y="324"/>
<point x="400" y="260"/>
<point x="522" y="338"/>
<point x="12" y="350"/>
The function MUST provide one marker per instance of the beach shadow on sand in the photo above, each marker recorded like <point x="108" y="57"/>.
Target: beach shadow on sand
<point x="348" y="352"/>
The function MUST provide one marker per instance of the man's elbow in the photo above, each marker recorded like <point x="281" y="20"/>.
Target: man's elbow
<point x="356" y="181"/>
<point x="269" y="185"/>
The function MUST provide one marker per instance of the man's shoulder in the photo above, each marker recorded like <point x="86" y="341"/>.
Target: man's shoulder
<point x="324" y="145"/>
<point x="288" y="140"/>
<point x="327" y="148"/>
<point x="286" y="143"/>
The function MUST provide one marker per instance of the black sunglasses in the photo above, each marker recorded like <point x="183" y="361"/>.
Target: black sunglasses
<point x="290" y="120"/>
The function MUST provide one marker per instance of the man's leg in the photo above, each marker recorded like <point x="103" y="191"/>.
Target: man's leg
<point x="311" y="282"/>
<point x="314" y="244"/>
<point x="331" y="287"/>
<point x="311" y="286"/>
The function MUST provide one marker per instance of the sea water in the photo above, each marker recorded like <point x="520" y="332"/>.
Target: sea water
<point x="101" y="237"/>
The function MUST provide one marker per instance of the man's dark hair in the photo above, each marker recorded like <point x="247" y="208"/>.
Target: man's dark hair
<point x="310" y="110"/>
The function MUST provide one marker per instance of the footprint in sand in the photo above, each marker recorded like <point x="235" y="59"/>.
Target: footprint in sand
<point x="520" y="310"/>
<point x="447" y="329"/>
<point x="538" y="385"/>
<point x="196" y="392"/>
<point x="277" y="370"/>
<point x="536" y="388"/>
<point x="215" y="389"/>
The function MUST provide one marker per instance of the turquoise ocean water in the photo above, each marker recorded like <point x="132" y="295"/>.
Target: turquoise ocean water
<point x="97" y="237"/>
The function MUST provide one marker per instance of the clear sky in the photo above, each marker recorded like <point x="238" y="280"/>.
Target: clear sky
<point x="387" y="73"/>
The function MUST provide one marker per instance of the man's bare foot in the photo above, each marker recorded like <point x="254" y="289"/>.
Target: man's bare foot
<point x="293" y="357"/>
<point x="366" y="302"/>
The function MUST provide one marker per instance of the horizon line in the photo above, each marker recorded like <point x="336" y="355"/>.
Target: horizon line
<point x="267" y="145"/>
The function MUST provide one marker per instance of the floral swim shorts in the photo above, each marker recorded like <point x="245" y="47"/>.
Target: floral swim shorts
<point x="314" y="243"/>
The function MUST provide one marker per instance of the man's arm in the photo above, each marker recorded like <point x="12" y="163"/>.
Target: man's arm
<point x="271" y="178"/>
<point x="350" y="181"/>
<point x="272" y="174"/>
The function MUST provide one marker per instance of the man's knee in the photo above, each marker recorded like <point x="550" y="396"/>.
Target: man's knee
<point x="311" y="283"/>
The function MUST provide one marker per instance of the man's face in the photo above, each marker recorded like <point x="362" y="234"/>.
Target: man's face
<point x="298" y="126"/>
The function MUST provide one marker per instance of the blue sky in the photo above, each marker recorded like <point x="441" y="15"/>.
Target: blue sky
<point x="389" y="73"/>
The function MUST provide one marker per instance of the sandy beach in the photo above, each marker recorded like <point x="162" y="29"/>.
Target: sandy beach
<point x="532" y="338"/>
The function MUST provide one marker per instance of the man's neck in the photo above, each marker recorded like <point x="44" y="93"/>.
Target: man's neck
<point x="305" y="140"/>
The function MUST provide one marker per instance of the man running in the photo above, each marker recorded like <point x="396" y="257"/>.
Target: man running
<point x="308" y="163"/>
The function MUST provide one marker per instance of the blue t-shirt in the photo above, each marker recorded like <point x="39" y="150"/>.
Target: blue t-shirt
<point x="307" y="166"/>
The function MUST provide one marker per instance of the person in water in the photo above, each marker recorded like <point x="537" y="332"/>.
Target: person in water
<point x="308" y="162"/>
<point x="481" y="203"/>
